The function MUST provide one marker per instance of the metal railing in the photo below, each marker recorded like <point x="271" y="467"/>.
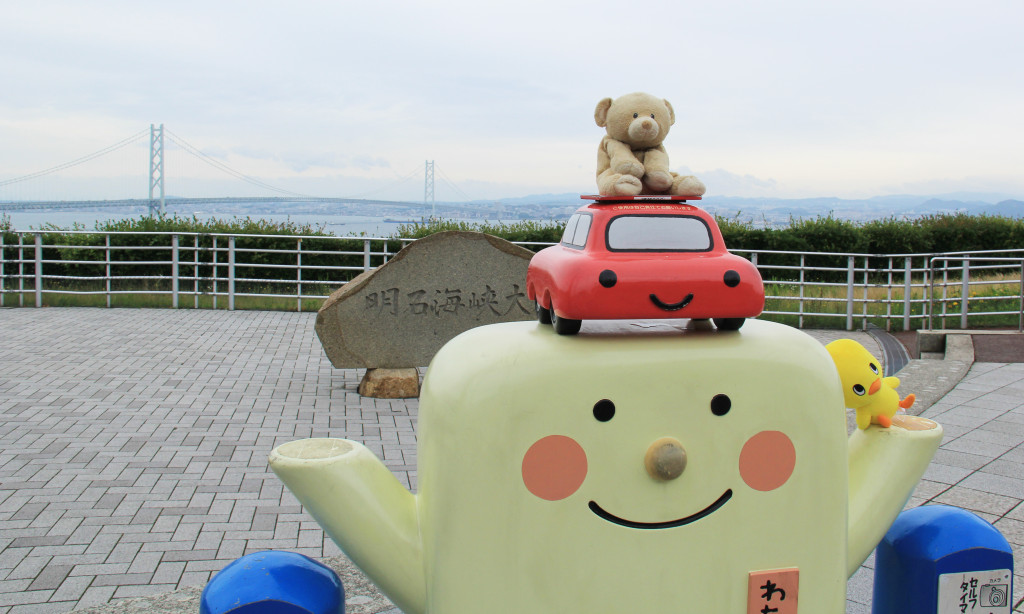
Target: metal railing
<point x="185" y="265"/>
<point x="902" y="291"/>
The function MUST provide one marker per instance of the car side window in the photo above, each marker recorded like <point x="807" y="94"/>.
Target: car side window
<point x="582" y="230"/>
<point x="576" y="231"/>
<point x="658" y="233"/>
<point x="570" y="229"/>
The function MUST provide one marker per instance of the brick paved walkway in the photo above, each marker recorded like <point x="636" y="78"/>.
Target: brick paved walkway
<point x="133" y="448"/>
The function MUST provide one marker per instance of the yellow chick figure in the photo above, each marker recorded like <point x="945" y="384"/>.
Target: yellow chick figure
<point x="864" y="389"/>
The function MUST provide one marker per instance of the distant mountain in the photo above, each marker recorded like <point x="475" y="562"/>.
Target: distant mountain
<point x="779" y="211"/>
<point x="1006" y="208"/>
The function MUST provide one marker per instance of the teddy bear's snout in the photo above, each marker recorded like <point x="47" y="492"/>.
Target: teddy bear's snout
<point x="643" y="129"/>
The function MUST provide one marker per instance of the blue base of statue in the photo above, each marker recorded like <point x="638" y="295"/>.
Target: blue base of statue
<point x="938" y="558"/>
<point x="274" y="583"/>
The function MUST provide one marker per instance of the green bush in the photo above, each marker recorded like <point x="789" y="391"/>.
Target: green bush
<point x="526" y="231"/>
<point x="269" y="242"/>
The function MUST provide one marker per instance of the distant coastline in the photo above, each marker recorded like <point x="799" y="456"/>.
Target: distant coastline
<point x="378" y="221"/>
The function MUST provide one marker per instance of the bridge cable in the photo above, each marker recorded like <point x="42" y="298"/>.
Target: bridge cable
<point x="400" y="181"/>
<point x="177" y="140"/>
<point x="452" y="185"/>
<point x="76" y="162"/>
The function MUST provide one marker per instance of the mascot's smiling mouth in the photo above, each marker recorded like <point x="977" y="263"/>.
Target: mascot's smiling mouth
<point x="669" y="524"/>
<point x="673" y="306"/>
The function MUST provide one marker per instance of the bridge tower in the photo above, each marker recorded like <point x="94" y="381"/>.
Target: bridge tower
<point x="428" y="186"/>
<point x="156" y="168"/>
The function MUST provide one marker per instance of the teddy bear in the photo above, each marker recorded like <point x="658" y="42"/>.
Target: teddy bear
<point x="631" y="159"/>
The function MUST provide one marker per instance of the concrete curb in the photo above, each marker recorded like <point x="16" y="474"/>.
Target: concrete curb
<point x="930" y="380"/>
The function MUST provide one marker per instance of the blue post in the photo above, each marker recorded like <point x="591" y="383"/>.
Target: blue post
<point x="274" y="583"/>
<point x="938" y="559"/>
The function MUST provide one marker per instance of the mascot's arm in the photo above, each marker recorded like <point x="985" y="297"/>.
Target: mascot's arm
<point x="885" y="466"/>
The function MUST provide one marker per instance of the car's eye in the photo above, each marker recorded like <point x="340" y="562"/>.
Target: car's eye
<point x="607" y="278"/>
<point x="604" y="410"/>
<point x="858" y="390"/>
<point x="874" y="368"/>
<point x="720" y="404"/>
<point x="731" y="278"/>
<point x="636" y="115"/>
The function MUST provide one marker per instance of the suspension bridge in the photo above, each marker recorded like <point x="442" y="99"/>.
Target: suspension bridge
<point x="156" y="199"/>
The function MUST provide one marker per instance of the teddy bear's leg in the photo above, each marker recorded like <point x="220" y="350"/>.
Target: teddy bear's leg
<point x="617" y="184"/>
<point x="628" y="166"/>
<point x="658" y="181"/>
<point x="688" y="185"/>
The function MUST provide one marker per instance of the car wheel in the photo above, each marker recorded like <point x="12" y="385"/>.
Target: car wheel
<point x="564" y="326"/>
<point x="543" y="315"/>
<point x="729" y="323"/>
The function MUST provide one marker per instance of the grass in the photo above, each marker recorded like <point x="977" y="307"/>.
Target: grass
<point x="158" y="296"/>
<point x="995" y="293"/>
<point x="988" y="295"/>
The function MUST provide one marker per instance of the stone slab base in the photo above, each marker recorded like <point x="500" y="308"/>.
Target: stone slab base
<point x="390" y="383"/>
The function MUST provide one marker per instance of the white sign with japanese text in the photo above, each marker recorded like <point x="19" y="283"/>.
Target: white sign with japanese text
<point x="975" y="592"/>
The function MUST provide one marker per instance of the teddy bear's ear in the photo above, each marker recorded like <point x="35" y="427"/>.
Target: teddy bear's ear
<point x="671" y="112"/>
<point x="601" y="112"/>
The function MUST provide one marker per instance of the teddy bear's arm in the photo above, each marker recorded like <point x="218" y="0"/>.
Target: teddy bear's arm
<point x="621" y="157"/>
<point x="656" y="159"/>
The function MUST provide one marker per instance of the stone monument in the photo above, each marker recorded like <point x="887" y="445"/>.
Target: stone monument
<point x="396" y="317"/>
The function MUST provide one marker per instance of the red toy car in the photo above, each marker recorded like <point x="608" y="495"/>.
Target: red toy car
<point x="642" y="257"/>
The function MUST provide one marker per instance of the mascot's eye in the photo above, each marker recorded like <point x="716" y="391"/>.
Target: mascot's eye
<point x="604" y="410"/>
<point x="874" y="368"/>
<point x="858" y="390"/>
<point x="720" y="404"/>
<point x="636" y="115"/>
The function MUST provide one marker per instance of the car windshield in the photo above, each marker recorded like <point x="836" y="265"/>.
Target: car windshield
<point x="658" y="233"/>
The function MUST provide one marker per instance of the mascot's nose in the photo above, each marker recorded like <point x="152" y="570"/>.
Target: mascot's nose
<point x="665" y="459"/>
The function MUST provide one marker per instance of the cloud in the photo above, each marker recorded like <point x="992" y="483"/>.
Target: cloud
<point x="721" y="182"/>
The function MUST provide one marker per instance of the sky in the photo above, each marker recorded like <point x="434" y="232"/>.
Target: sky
<point x="784" y="98"/>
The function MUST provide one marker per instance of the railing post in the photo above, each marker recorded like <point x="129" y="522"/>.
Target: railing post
<point x="366" y="254"/>
<point x="174" y="271"/>
<point x="298" y="274"/>
<point x="800" y="307"/>
<point x="888" y="297"/>
<point x="931" y="290"/>
<point x="107" y="259"/>
<point x="907" y="272"/>
<point x="1" y="269"/>
<point x="195" y="271"/>
<point x="864" y="294"/>
<point x="1020" y="322"/>
<point x="849" y="292"/>
<point x="231" y="273"/>
<point x="39" y="270"/>
<point x="965" y="293"/>
<point x="945" y="291"/>
<point x="214" y="259"/>
<point x="21" y="270"/>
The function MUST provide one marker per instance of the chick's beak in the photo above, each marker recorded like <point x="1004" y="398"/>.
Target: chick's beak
<point x="875" y="386"/>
